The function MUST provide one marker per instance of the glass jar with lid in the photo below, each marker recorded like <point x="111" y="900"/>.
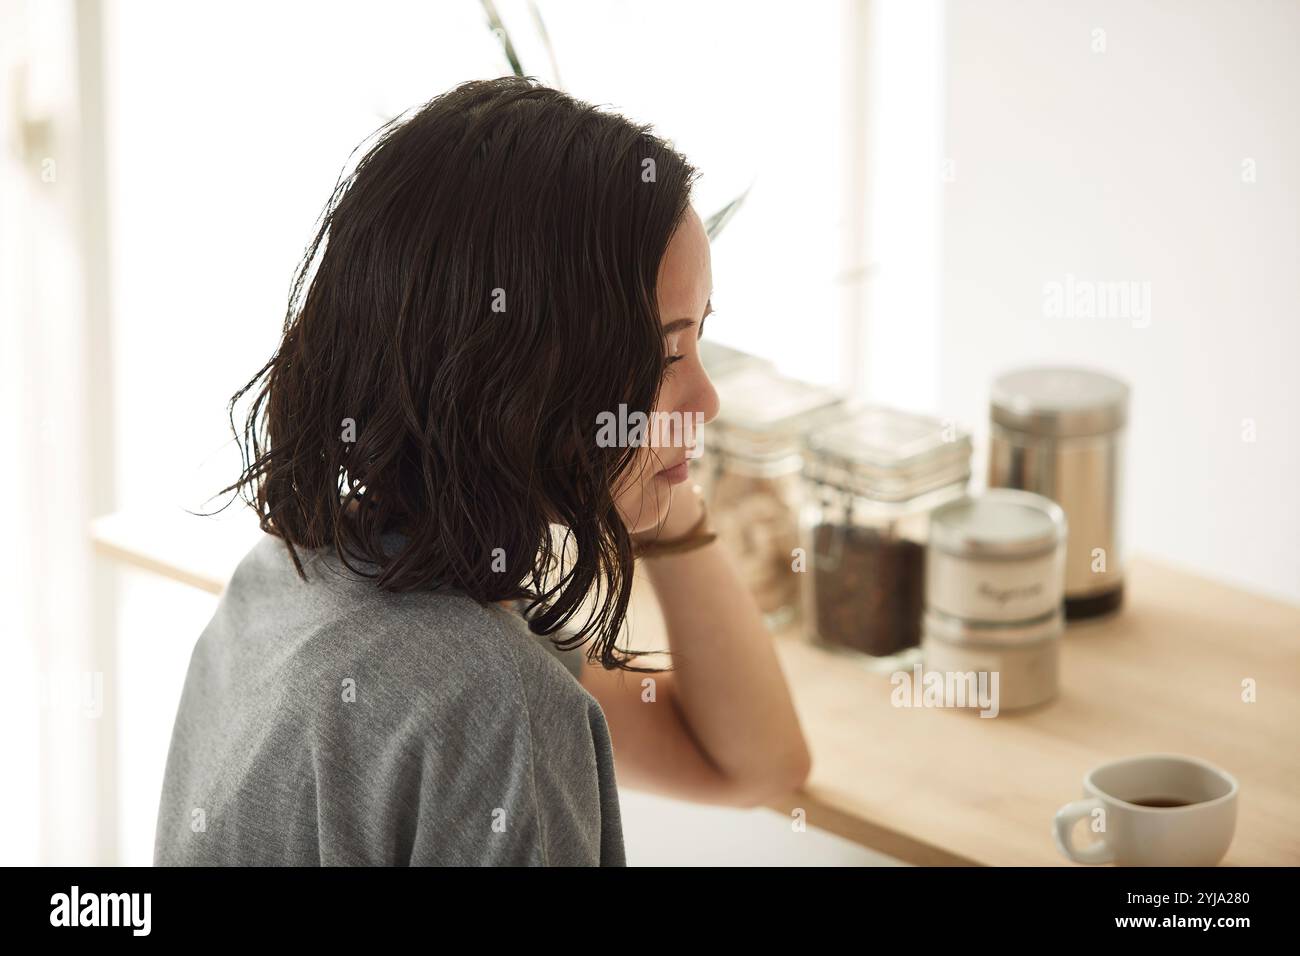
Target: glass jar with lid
<point x="870" y="483"/>
<point x="720" y="362"/>
<point x="719" y="359"/>
<point x="751" y="477"/>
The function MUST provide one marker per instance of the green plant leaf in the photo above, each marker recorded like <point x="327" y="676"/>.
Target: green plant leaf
<point x="546" y="42"/>
<point x="499" y="28"/>
<point x="718" y="221"/>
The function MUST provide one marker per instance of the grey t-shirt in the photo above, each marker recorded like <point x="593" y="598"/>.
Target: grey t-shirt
<point x="329" y="722"/>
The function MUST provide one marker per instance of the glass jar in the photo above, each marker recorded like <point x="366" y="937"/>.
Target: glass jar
<point x="750" y="475"/>
<point x="721" y="362"/>
<point x="720" y="359"/>
<point x="870" y="483"/>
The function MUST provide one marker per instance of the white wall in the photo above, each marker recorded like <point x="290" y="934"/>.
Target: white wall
<point x="904" y="204"/>
<point x="1127" y="163"/>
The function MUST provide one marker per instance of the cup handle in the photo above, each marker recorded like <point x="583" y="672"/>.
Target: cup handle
<point x="1063" y="830"/>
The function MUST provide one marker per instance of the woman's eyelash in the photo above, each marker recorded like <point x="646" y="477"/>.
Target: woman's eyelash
<point x="674" y="359"/>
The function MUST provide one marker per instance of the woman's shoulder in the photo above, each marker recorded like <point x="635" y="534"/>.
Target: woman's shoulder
<point x="430" y="648"/>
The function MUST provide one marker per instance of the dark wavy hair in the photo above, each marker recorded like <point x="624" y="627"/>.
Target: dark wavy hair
<point x="486" y="286"/>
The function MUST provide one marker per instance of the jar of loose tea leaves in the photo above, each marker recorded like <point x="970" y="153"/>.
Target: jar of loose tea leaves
<point x="721" y="362"/>
<point x="751" y="477"/>
<point x="870" y="483"/>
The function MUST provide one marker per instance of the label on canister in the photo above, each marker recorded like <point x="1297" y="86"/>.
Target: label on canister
<point x="997" y="557"/>
<point x="1005" y="589"/>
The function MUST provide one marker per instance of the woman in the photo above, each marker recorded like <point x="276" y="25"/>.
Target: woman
<point x="502" y="270"/>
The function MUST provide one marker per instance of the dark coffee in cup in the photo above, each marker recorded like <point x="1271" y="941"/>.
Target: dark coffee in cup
<point x="1162" y="802"/>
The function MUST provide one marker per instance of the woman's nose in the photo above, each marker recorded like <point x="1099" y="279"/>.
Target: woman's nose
<point x="705" y="400"/>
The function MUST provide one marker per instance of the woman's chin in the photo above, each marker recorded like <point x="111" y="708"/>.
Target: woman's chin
<point x="655" y="505"/>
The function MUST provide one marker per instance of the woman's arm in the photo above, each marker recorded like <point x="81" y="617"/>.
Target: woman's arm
<point x="722" y="727"/>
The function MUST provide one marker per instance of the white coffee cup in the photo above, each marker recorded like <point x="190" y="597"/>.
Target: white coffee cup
<point x="1196" y="832"/>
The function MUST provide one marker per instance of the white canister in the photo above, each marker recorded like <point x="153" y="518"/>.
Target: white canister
<point x="1024" y="656"/>
<point x="996" y="557"/>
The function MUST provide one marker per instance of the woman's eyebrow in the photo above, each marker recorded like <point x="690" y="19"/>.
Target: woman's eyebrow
<point x="677" y="324"/>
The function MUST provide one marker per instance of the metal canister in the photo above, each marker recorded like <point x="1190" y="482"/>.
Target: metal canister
<point x="1059" y="432"/>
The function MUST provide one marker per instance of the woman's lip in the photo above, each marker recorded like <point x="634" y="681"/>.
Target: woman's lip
<point x="677" y="473"/>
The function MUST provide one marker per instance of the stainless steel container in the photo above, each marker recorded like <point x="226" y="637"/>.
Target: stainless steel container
<point x="1059" y="432"/>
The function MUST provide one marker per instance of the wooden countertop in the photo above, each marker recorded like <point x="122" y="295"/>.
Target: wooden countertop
<point x="936" y="786"/>
<point x="942" y="786"/>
